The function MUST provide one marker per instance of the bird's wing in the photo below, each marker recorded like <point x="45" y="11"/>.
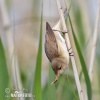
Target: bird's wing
<point x="51" y="47"/>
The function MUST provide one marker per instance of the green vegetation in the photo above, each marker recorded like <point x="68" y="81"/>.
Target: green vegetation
<point x="65" y="88"/>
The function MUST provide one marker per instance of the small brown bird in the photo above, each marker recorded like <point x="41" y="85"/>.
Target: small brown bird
<point x="56" y="50"/>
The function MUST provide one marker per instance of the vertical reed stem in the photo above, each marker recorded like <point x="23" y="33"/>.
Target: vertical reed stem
<point x="95" y="35"/>
<point x="13" y="63"/>
<point x="80" y="92"/>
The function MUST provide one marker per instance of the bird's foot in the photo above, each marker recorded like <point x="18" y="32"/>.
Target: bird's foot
<point x="70" y="52"/>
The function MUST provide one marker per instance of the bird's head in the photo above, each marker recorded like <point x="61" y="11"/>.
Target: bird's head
<point x="58" y="66"/>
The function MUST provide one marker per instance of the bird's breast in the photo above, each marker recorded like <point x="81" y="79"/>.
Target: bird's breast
<point x="63" y="52"/>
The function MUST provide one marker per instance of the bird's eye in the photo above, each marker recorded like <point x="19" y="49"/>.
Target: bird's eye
<point x="59" y="68"/>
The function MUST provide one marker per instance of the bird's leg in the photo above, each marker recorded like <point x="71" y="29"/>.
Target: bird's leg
<point x="61" y="31"/>
<point x="70" y="52"/>
<point x="64" y="32"/>
<point x="69" y="49"/>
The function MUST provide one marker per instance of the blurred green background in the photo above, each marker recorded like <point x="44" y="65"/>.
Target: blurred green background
<point x="23" y="63"/>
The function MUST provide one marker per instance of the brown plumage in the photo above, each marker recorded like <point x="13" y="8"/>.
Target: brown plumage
<point x="56" y="51"/>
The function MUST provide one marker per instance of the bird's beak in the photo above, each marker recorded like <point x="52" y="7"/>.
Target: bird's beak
<point x="56" y="79"/>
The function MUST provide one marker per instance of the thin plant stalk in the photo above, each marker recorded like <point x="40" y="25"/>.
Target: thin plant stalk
<point x="13" y="67"/>
<point x="80" y="92"/>
<point x="95" y="35"/>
